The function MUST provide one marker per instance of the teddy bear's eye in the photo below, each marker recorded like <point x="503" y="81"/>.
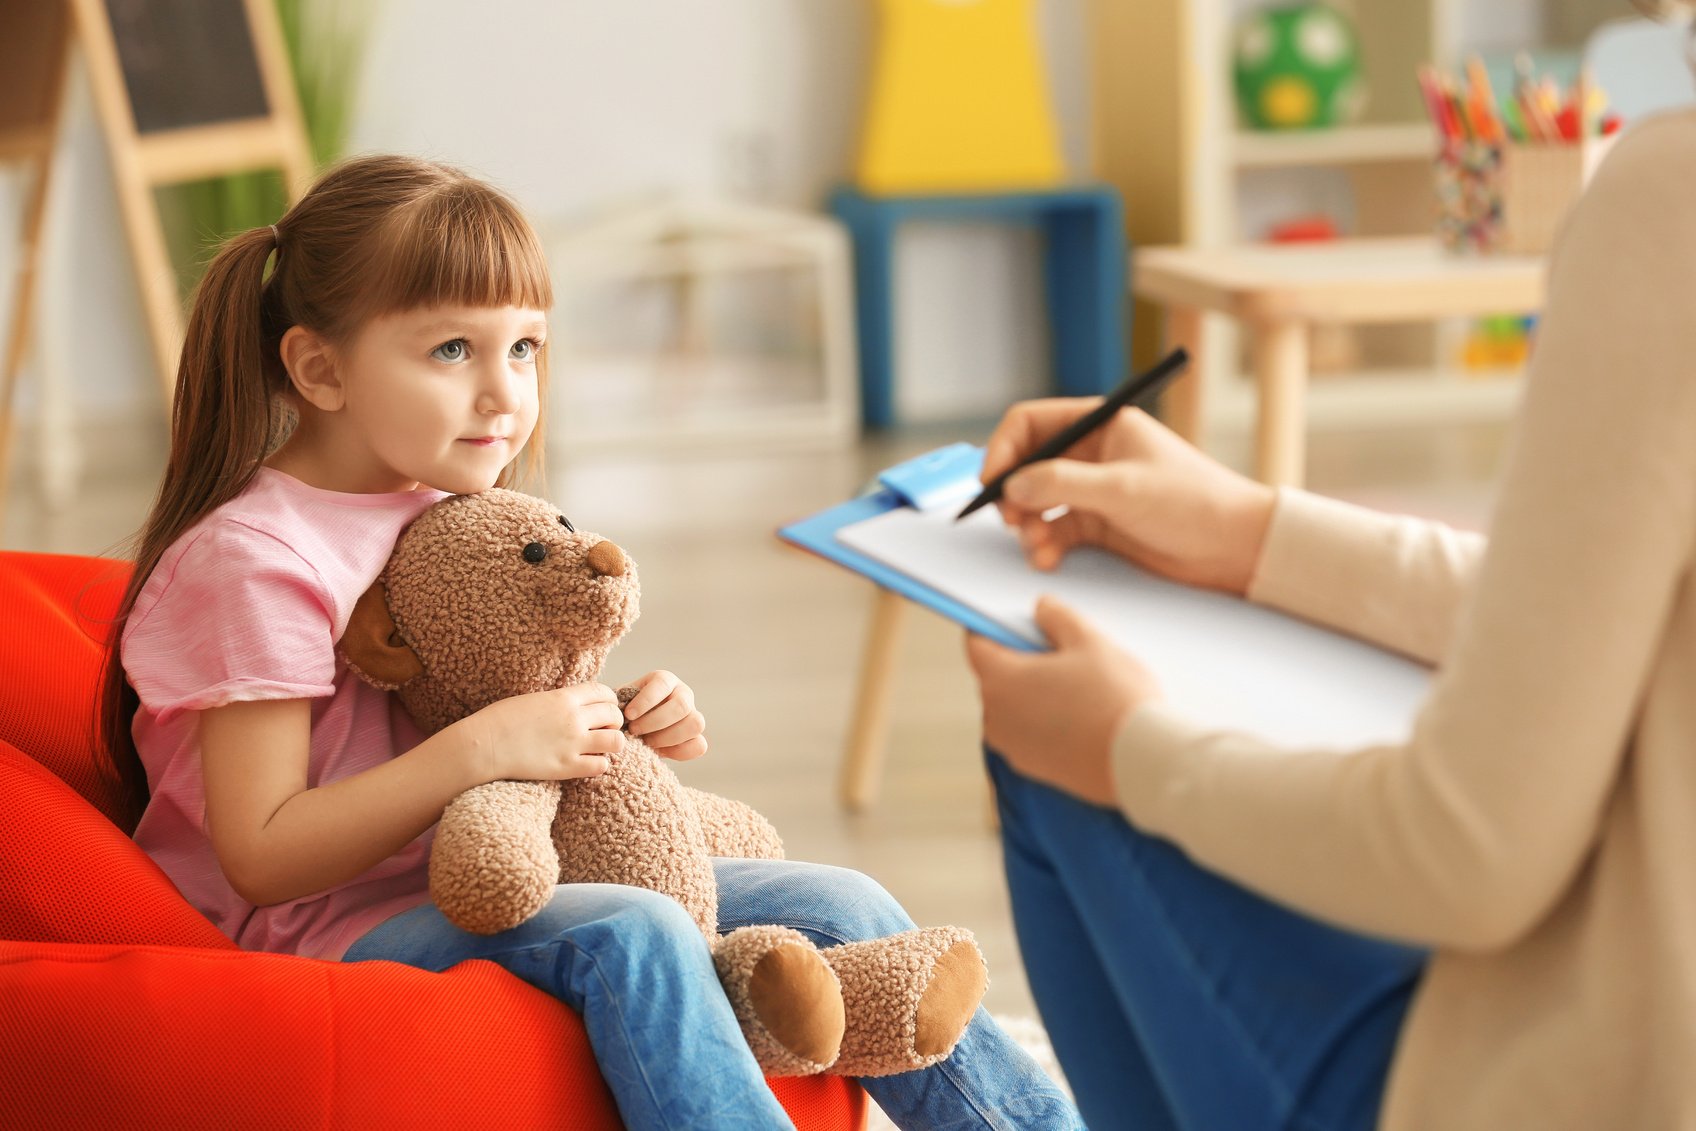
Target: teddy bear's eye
<point x="566" y="522"/>
<point x="535" y="552"/>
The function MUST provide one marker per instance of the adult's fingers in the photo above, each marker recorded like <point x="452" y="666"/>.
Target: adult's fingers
<point x="1064" y="626"/>
<point x="1025" y="426"/>
<point x="1100" y="488"/>
<point x="988" y="658"/>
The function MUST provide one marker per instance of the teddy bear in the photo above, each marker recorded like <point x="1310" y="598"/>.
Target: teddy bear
<point x="496" y="594"/>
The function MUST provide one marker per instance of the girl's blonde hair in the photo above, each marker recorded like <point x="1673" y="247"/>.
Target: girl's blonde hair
<point x="373" y="236"/>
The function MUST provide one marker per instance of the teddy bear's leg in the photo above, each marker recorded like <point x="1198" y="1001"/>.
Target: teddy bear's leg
<point x="785" y="995"/>
<point x="493" y="864"/>
<point x="908" y="998"/>
<point x="734" y="828"/>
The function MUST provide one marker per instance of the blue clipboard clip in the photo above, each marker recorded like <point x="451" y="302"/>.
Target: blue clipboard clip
<point x="937" y="476"/>
<point x="948" y="473"/>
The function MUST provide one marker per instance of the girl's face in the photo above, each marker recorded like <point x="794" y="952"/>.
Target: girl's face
<point x="445" y="396"/>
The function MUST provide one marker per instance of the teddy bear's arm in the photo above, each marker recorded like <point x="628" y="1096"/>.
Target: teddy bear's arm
<point x="493" y="863"/>
<point x="734" y="829"/>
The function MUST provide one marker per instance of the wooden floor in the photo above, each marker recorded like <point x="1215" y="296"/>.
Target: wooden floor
<point x="769" y="637"/>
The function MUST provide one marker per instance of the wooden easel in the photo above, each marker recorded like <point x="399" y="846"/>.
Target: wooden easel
<point x="32" y="96"/>
<point x="184" y="89"/>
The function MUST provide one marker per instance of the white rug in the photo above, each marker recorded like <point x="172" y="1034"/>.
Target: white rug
<point x="1029" y="1034"/>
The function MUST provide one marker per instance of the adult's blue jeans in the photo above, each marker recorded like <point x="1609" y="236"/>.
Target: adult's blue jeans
<point x="636" y="968"/>
<point x="1177" y="999"/>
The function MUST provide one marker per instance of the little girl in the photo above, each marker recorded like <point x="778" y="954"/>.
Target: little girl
<point x="402" y="328"/>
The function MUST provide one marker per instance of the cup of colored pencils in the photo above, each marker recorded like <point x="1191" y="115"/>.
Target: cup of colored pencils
<point x="1507" y="170"/>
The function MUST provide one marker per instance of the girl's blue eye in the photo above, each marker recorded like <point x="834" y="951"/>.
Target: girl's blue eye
<point x="450" y="351"/>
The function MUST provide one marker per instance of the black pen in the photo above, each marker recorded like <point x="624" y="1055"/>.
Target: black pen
<point x="1143" y="384"/>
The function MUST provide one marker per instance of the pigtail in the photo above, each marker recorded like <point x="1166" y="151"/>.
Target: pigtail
<point x="225" y="416"/>
<point x="226" y="411"/>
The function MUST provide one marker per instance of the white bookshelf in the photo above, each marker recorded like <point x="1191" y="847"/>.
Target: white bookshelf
<point x="1185" y="170"/>
<point x="1346" y="145"/>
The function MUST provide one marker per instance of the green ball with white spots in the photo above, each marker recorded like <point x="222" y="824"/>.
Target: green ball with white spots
<point x="1297" y="66"/>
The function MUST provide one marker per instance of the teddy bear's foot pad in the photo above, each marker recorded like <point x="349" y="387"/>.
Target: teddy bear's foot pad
<point x="909" y="998"/>
<point x="946" y="1006"/>
<point x="786" y="997"/>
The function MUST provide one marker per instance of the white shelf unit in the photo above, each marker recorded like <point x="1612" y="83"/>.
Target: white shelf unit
<point x="1184" y="169"/>
<point x="1345" y="145"/>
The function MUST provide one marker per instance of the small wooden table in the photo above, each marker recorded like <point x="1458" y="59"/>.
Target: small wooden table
<point x="1277" y="292"/>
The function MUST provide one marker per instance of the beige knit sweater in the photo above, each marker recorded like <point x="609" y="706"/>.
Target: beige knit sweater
<point x="1539" y="827"/>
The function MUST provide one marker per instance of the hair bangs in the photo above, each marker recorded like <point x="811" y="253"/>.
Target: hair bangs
<point x="465" y="245"/>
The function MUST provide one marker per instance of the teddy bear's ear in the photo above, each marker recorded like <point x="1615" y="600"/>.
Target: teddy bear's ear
<point x="373" y="646"/>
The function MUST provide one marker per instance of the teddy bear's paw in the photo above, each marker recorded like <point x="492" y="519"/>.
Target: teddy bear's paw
<point x="786" y="997"/>
<point x="909" y="997"/>
<point x="493" y="864"/>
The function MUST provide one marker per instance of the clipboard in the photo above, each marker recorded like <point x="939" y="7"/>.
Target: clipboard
<point x="915" y="483"/>
<point x="1241" y="666"/>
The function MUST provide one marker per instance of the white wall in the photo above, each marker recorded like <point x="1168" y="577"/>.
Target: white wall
<point x="581" y="104"/>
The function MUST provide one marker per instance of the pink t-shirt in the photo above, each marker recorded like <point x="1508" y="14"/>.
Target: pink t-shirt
<point x="248" y="604"/>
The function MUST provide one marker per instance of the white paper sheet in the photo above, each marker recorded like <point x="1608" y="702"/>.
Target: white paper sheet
<point x="1221" y="661"/>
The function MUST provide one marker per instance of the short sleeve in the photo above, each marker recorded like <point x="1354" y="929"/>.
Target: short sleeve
<point x="237" y="615"/>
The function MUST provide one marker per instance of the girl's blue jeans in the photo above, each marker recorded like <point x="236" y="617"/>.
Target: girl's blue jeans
<point x="1177" y="999"/>
<point x="635" y="966"/>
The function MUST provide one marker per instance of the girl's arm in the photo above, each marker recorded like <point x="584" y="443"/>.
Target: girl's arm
<point x="279" y="840"/>
<point x="276" y="839"/>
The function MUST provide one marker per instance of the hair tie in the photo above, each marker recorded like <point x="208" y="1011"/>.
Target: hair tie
<point x="276" y="237"/>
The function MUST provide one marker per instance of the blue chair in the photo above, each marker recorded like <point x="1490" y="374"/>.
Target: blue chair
<point x="1084" y="265"/>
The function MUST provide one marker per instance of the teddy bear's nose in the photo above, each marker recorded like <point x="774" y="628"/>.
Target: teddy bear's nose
<point x="607" y="560"/>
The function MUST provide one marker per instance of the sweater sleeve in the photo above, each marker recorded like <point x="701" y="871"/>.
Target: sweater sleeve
<point x="1467" y="834"/>
<point x="1394" y="581"/>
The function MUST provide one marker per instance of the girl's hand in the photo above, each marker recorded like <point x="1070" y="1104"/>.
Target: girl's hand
<point x="1134" y="487"/>
<point x="1053" y="715"/>
<point x="547" y="735"/>
<point x="663" y="715"/>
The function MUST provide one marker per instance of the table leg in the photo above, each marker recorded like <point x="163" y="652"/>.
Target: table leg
<point x="1280" y="374"/>
<point x="862" y="760"/>
<point x="1184" y="406"/>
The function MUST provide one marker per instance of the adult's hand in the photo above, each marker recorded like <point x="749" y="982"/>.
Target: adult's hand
<point x="1133" y="487"/>
<point x="1053" y="715"/>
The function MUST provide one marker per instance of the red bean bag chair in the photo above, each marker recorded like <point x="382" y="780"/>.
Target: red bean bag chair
<point x="122" y="1006"/>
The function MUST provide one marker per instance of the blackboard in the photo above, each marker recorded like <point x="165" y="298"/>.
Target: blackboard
<point x="187" y="62"/>
<point x="34" y="42"/>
